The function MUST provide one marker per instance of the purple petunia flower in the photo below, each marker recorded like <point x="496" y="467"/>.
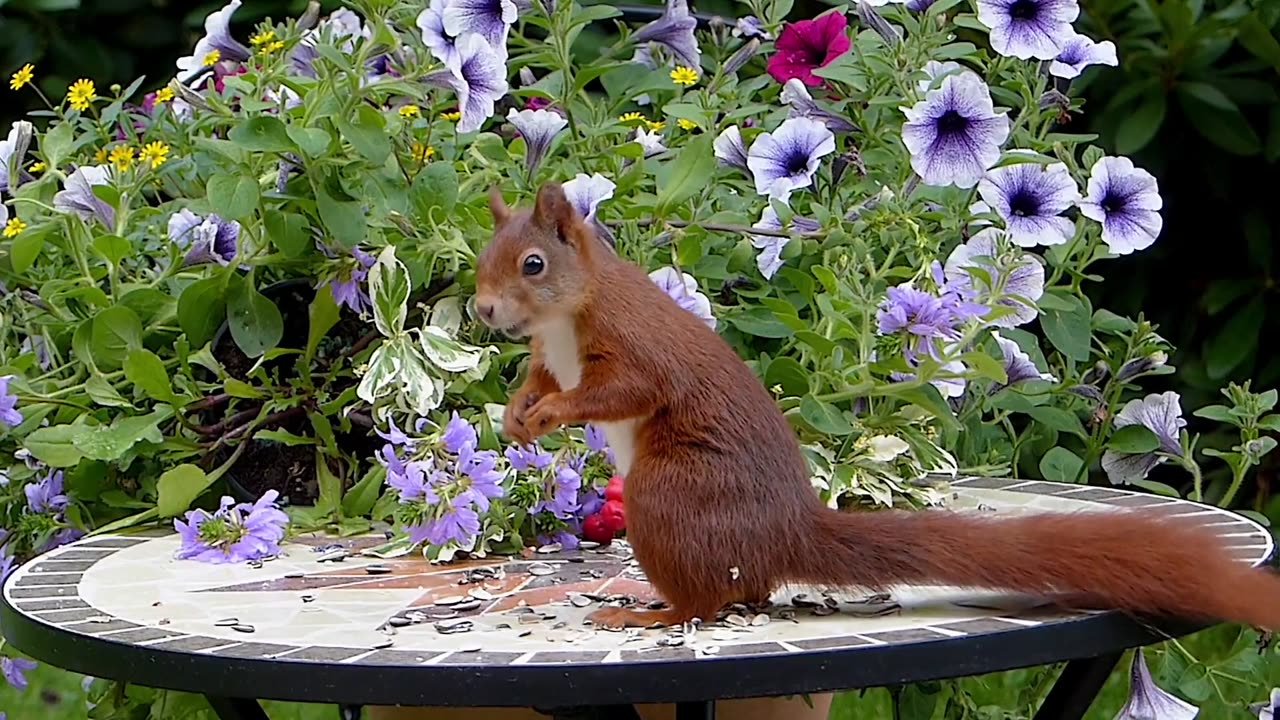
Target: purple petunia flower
<point x="15" y="670"/>
<point x="458" y="434"/>
<point x="1030" y="197"/>
<point x="1126" y="200"/>
<point x="729" y="150"/>
<point x="565" y="539"/>
<point x="9" y="414"/>
<point x="682" y="288"/>
<point x="478" y="76"/>
<point x="345" y="286"/>
<point x="801" y="104"/>
<point x="954" y="133"/>
<point x="1028" y="28"/>
<point x="46" y="496"/>
<point x="1147" y="700"/>
<point x="538" y="128"/>
<point x="770" y="257"/>
<point x="207" y="239"/>
<point x="586" y="192"/>
<point x="1268" y="709"/>
<point x="1079" y="52"/>
<point x="750" y="27"/>
<point x="1013" y="283"/>
<point x="217" y="36"/>
<point x="490" y="19"/>
<point x="1018" y="366"/>
<point x="595" y="438"/>
<point x="12" y="151"/>
<point x="674" y="30"/>
<point x="787" y="158"/>
<point x="233" y="533"/>
<point x="78" y="197"/>
<point x="7" y="566"/>
<point x="1162" y="415"/>
<point x="431" y="23"/>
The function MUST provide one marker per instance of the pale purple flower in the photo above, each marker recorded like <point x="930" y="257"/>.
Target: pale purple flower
<point x="586" y="192"/>
<point x="1126" y="200"/>
<point x="341" y="24"/>
<point x="934" y="72"/>
<point x="918" y="6"/>
<point x="414" y="482"/>
<point x="459" y="523"/>
<point x="7" y="566"/>
<point x="458" y="434"/>
<point x="1018" y="366"/>
<point x="1162" y="415"/>
<point x="1079" y="52"/>
<point x="62" y="537"/>
<point x="431" y="23"/>
<point x="528" y="457"/>
<point x="478" y="76"/>
<point x="559" y="496"/>
<point x="954" y="133"/>
<point x="598" y="442"/>
<point x="46" y="495"/>
<point x="565" y="539"/>
<point x="346" y="287"/>
<point x="1013" y="282"/>
<point x="264" y="527"/>
<point x="490" y="19"/>
<point x="233" y="533"/>
<point x="9" y="414"/>
<point x="78" y="197"/>
<point x="217" y="36"/>
<point x="751" y="27"/>
<point x="394" y="436"/>
<point x="1147" y="701"/>
<point x="1268" y="709"/>
<point x="802" y="105"/>
<point x="538" y="128"/>
<point x="674" y="30"/>
<point x="1028" y="28"/>
<point x="787" y="158"/>
<point x="926" y="318"/>
<point x="480" y="467"/>
<point x="12" y="151"/>
<point x="682" y="288"/>
<point x="15" y="670"/>
<point x="769" y="259"/>
<point x="650" y="142"/>
<point x="207" y="239"/>
<point x="1031" y="197"/>
<point x="729" y="150"/>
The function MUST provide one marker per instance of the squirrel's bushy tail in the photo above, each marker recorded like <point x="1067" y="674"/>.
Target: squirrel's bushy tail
<point x="1132" y="561"/>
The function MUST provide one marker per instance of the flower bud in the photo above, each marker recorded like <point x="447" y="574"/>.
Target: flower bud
<point x="741" y="57"/>
<point x="873" y="20"/>
<point x="1096" y="374"/>
<point x="1087" y="392"/>
<point x="1141" y="366"/>
<point x="310" y="17"/>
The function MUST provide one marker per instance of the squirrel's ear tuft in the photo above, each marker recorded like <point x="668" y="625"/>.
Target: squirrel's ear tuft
<point x="498" y="207"/>
<point x="552" y="210"/>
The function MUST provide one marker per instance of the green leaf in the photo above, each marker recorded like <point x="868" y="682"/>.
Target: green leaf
<point x="1133" y="439"/>
<point x="688" y="174"/>
<point x="103" y="393"/>
<point x="367" y="134"/>
<point x="201" y="308"/>
<point x="255" y="322"/>
<point x="760" y="322"/>
<point x="384" y="367"/>
<point x="111" y="442"/>
<point x="323" y="315"/>
<point x="434" y="187"/>
<point x="312" y="141"/>
<point x="284" y="437"/>
<point x="233" y="196"/>
<point x="1270" y="422"/>
<point x="145" y="370"/>
<point x="1058" y="419"/>
<point x="26" y="248"/>
<point x="1226" y="128"/>
<point x="54" y="445"/>
<point x="1060" y="465"/>
<point x="1219" y="413"/>
<point x="986" y="366"/>
<point x="362" y="496"/>
<point x="1236" y="340"/>
<point x="1138" y="127"/>
<point x="1257" y="38"/>
<point x="344" y="219"/>
<point x="179" y="487"/>
<point x="788" y="374"/>
<point x="1195" y="683"/>
<point x="1068" y="330"/>
<point x="389" y="289"/>
<point x="289" y="232"/>
<point x="824" y="417"/>
<point x="446" y="353"/>
<point x="240" y="389"/>
<point x="116" y="331"/>
<point x="112" y="247"/>
<point x="56" y="144"/>
<point x="918" y="701"/>
<point x="262" y="134"/>
<point x="330" y="500"/>
<point x="1156" y="487"/>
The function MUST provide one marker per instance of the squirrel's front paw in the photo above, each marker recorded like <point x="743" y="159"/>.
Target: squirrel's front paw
<point x="513" y="418"/>
<point x="546" y="415"/>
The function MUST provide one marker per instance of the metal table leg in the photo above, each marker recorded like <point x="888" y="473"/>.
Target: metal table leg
<point x="236" y="708"/>
<point x="350" y="712"/>
<point x="701" y="710"/>
<point x="1077" y="687"/>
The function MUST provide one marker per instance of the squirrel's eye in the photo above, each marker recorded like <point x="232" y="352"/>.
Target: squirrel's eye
<point x="533" y="265"/>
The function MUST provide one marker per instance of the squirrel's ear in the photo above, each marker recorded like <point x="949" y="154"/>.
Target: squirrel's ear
<point x="552" y="210"/>
<point x="498" y="207"/>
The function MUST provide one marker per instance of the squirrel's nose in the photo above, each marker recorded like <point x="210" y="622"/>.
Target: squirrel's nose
<point x="486" y="309"/>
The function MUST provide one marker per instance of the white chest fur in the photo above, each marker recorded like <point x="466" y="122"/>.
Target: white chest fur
<point x="561" y="355"/>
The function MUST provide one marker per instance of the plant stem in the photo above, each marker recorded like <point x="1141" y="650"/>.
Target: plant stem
<point x="714" y="227"/>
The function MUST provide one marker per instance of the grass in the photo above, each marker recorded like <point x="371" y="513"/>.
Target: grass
<point x="1233" y="676"/>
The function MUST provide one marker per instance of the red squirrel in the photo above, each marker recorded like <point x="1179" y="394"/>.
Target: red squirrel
<point x="720" y="508"/>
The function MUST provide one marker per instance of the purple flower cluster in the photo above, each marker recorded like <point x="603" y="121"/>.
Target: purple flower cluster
<point x="46" y="497"/>
<point x="928" y="319"/>
<point x="234" y="532"/>
<point x="345" y="285"/>
<point x="8" y="404"/>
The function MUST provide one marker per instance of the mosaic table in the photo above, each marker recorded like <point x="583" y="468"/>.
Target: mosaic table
<point x="328" y="624"/>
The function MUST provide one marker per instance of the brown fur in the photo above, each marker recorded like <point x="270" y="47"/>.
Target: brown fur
<point x="719" y="504"/>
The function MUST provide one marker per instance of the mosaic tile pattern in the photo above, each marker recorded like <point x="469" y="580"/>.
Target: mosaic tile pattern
<point x="305" y="606"/>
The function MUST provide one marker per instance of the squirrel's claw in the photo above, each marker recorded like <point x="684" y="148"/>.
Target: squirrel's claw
<point x="513" y="418"/>
<point x="544" y="416"/>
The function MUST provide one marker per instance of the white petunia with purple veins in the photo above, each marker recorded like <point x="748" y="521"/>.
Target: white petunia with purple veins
<point x="78" y="196"/>
<point x="934" y="72"/>
<point x="801" y="104"/>
<point x="538" y="128"/>
<point x="1029" y="28"/>
<point x="650" y="141"/>
<point x="1126" y="200"/>
<point x="478" y="75"/>
<point x="1162" y="415"/>
<point x="1031" y="198"/>
<point x="1016" y="282"/>
<point x="729" y="150"/>
<point x="490" y="19"/>
<point x="684" y="290"/>
<point x="770" y="257"/>
<point x="207" y="239"/>
<point x="13" y="150"/>
<point x="217" y="36"/>
<point x="1079" y="52"/>
<point x="431" y="23"/>
<point x="1147" y="700"/>
<point x="954" y="134"/>
<point x="788" y="158"/>
<point x="1018" y="366"/>
<point x="585" y="193"/>
<point x="674" y="30"/>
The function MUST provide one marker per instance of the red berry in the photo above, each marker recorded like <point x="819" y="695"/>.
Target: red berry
<point x="595" y="529"/>
<point x="614" y="514"/>
<point x="613" y="493"/>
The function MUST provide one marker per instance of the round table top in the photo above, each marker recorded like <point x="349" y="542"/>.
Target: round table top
<point x="318" y="624"/>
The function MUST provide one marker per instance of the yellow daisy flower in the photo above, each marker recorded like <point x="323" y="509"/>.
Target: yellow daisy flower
<point x="212" y="58"/>
<point x="14" y="227"/>
<point x="276" y="46"/>
<point x="687" y="124"/>
<point x="22" y="77"/>
<point x="121" y="156"/>
<point x="452" y="116"/>
<point x="262" y="38"/>
<point x="655" y="125"/>
<point x="81" y="93"/>
<point x="100" y="157"/>
<point x="164" y="95"/>
<point x="410" y="111"/>
<point x="421" y="153"/>
<point x="685" y="76"/>
<point x="155" y="153"/>
<point x="631" y="117"/>
<point x="38" y="166"/>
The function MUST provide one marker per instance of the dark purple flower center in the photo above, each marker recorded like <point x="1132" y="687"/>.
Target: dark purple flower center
<point x="1112" y="203"/>
<point x="952" y="123"/>
<point x="797" y="164"/>
<point x="1024" y="203"/>
<point x="1024" y="10"/>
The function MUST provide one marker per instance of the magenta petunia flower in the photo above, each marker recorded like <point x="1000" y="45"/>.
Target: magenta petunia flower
<point x="806" y="45"/>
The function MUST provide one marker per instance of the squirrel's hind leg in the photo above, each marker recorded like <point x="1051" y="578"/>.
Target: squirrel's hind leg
<point x="616" y="617"/>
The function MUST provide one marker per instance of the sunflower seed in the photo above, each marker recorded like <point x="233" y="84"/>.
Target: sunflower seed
<point x="100" y="619"/>
<point x="383" y="644"/>
<point x="737" y="620"/>
<point x="294" y="575"/>
<point x="526" y="633"/>
<point x="467" y="605"/>
<point x="710" y="649"/>
<point x="760" y="620"/>
<point x="308" y="598"/>
<point x="577" y="559"/>
<point x="588" y="545"/>
<point x="399" y="621"/>
<point x="580" y="600"/>
<point x="670" y="641"/>
<point x="470" y="648"/>
<point x="451" y="627"/>
<point x="242" y="628"/>
<point x="541" y="569"/>
<point x="450" y="600"/>
<point x="822" y="610"/>
<point x="530" y="618"/>
<point x="550" y="548"/>
<point x="333" y="556"/>
<point x="722" y="635"/>
<point x="480" y="594"/>
<point x="377" y="569"/>
<point x="227" y="622"/>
